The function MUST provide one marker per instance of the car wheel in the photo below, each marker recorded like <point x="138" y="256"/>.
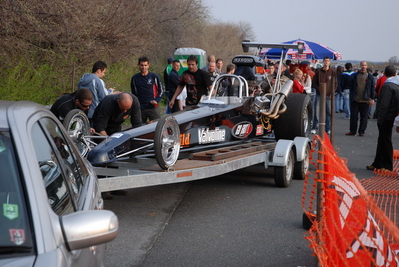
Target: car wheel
<point x="167" y="142"/>
<point x="283" y="175"/>
<point x="302" y="167"/>
<point x="77" y="125"/>
<point x="296" y="120"/>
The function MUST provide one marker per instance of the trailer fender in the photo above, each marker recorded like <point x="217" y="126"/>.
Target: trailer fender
<point x="301" y="144"/>
<point x="281" y="153"/>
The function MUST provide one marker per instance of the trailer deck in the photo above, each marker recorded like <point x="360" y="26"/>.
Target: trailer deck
<point x="144" y="171"/>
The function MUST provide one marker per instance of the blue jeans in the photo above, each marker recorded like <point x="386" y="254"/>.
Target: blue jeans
<point x="339" y="102"/>
<point x="328" y="113"/>
<point x="347" y="107"/>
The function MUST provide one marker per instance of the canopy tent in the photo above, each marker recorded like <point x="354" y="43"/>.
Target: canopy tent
<point x="311" y="51"/>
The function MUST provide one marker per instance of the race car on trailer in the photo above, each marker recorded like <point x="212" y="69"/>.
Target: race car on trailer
<point x="230" y="129"/>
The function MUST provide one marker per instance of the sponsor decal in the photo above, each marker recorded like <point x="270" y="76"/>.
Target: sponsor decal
<point x="243" y="60"/>
<point x="116" y="135"/>
<point x="185" y="139"/>
<point x="259" y="130"/>
<point x="206" y="136"/>
<point x="17" y="236"/>
<point x="10" y="211"/>
<point x="242" y="129"/>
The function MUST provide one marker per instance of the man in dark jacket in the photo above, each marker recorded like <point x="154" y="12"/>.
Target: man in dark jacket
<point x="346" y="84"/>
<point x="113" y="110"/>
<point x="325" y="75"/>
<point x="174" y="79"/>
<point x="80" y="99"/>
<point x="147" y="86"/>
<point x="361" y="97"/>
<point x="387" y="109"/>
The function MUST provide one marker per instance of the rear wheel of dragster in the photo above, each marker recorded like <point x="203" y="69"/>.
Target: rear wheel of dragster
<point x="77" y="125"/>
<point x="283" y="175"/>
<point x="296" y="120"/>
<point x="167" y="142"/>
<point x="301" y="167"/>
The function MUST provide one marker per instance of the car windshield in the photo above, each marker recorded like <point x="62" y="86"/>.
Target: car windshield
<point x="15" y="227"/>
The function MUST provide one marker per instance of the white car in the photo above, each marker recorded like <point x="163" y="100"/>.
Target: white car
<point x="52" y="210"/>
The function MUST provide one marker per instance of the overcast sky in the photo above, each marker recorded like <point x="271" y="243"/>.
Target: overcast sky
<point x="358" y="29"/>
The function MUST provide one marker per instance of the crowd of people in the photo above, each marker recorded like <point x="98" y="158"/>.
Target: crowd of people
<point x="353" y="90"/>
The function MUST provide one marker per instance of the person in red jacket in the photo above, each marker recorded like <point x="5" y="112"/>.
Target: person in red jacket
<point x="298" y="86"/>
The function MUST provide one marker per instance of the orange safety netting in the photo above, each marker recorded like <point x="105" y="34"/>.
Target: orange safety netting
<point x="358" y="220"/>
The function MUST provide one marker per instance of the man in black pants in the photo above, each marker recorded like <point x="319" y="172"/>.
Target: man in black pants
<point x="108" y="117"/>
<point x="387" y="109"/>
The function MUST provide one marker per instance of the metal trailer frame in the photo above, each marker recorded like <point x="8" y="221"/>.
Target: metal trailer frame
<point x="145" y="171"/>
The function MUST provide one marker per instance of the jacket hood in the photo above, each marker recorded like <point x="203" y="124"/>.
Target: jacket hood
<point x="87" y="78"/>
<point x="394" y="79"/>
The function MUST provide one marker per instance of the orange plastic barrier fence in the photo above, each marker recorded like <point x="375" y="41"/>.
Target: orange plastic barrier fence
<point x="358" y="220"/>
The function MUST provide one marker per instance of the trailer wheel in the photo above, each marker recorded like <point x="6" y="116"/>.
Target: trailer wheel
<point x="77" y="125"/>
<point x="302" y="167"/>
<point x="167" y="142"/>
<point x="283" y="175"/>
<point x="296" y="120"/>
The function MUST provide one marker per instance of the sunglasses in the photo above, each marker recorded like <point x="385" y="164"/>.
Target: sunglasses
<point x="85" y="106"/>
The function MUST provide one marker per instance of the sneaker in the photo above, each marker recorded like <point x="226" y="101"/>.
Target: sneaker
<point x="350" y="133"/>
<point x="119" y="193"/>
<point x="370" y="167"/>
<point x="329" y="132"/>
<point x="313" y="131"/>
<point x="106" y="195"/>
<point x="361" y="134"/>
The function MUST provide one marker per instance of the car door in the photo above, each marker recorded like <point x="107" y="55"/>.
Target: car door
<point x="67" y="182"/>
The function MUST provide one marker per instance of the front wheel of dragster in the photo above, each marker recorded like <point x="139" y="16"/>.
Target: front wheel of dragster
<point x="167" y="142"/>
<point x="296" y="120"/>
<point x="77" y="125"/>
<point x="283" y="175"/>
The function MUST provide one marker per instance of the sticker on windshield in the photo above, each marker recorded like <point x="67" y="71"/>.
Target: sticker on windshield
<point x="17" y="236"/>
<point x="10" y="211"/>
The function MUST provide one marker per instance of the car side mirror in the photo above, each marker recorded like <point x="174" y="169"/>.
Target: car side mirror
<point x="84" y="229"/>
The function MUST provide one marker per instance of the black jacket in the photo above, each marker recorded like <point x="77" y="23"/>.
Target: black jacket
<point x="388" y="102"/>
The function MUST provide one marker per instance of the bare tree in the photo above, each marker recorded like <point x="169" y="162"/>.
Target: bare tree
<point x="393" y="60"/>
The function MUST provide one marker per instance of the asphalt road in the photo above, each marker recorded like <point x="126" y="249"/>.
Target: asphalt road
<point x="238" y="219"/>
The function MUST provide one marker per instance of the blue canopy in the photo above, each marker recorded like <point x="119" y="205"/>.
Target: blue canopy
<point x="311" y="51"/>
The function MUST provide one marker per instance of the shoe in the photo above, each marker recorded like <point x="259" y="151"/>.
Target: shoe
<point x="369" y="116"/>
<point x="328" y="132"/>
<point x="106" y="195"/>
<point x="370" y="167"/>
<point x="350" y="133"/>
<point x="361" y="134"/>
<point x="384" y="170"/>
<point x="313" y="131"/>
<point x="119" y="193"/>
<point x="347" y="118"/>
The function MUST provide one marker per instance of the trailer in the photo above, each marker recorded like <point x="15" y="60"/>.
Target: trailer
<point x="290" y="159"/>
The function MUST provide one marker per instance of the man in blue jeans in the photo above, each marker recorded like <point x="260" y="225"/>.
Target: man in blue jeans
<point x="346" y="84"/>
<point x="325" y="75"/>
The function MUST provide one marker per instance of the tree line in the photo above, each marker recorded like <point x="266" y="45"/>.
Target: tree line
<point x="47" y="45"/>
